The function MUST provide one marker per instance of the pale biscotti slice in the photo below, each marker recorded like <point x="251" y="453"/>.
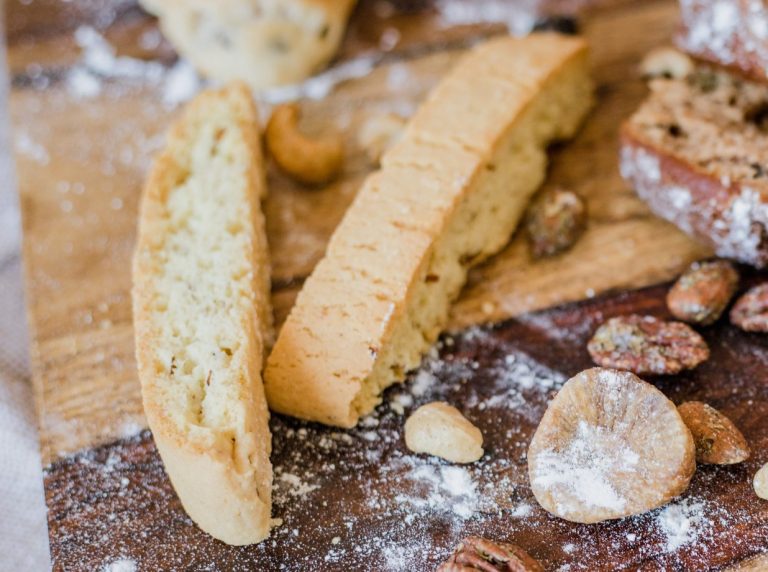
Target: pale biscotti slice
<point x="695" y="151"/>
<point x="449" y="194"/>
<point x="202" y="315"/>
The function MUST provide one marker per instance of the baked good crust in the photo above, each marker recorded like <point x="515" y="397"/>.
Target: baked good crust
<point x="381" y="294"/>
<point x="220" y="471"/>
<point x="732" y="34"/>
<point x="732" y="218"/>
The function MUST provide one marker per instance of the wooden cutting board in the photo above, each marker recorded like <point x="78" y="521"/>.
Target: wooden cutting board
<point x="81" y="163"/>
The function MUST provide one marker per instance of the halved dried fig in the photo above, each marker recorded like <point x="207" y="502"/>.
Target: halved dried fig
<point x="609" y="445"/>
<point x="647" y="345"/>
<point x="718" y="441"/>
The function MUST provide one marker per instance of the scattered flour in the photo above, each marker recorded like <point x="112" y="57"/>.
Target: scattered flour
<point x="519" y="17"/>
<point x="683" y="522"/>
<point x="99" y="63"/>
<point x="121" y="565"/>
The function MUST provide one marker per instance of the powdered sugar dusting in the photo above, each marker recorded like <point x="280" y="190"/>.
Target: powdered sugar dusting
<point x="121" y="565"/>
<point x="519" y="17"/>
<point x="683" y="523"/>
<point x="585" y="468"/>
<point x="99" y="63"/>
<point x="736" y="224"/>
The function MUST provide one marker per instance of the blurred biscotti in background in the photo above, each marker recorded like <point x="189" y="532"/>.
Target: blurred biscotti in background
<point x="262" y="42"/>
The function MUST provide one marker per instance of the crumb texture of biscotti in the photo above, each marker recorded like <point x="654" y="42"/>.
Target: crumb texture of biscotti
<point x="448" y="195"/>
<point x="202" y="315"/>
<point x="730" y="33"/>
<point x="695" y="152"/>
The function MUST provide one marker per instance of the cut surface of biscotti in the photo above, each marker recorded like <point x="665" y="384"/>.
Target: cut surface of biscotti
<point x="695" y="151"/>
<point x="448" y="195"/>
<point x="202" y="315"/>
<point x="729" y="33"/>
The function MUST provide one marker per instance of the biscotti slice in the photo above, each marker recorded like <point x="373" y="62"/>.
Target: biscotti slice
<point x="263" y="42"/>
<point x="202" y="315"/>
<point x="697" y="152"/>
<point x="730" y="33"/>
<point x="448" y="195"/>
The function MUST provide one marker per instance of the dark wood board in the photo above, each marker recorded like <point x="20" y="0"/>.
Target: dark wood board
<point x="116" y="502"/>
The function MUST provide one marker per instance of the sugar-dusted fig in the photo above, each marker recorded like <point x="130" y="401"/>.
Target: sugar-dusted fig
<point x="610" y="445"/>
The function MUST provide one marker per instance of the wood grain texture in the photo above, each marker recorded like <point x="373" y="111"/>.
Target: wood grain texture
<point x="81" y="164"/>
<point x="101" y="501"/>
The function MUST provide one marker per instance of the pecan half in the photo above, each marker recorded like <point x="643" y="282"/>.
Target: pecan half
<point x="555" y="221"/>
<point x="750" y="312"/>
<point x="702" y="293"/>
<point x="717" y="440"/>
<point x="647" y="345"/>
<point x="476" y="553"/>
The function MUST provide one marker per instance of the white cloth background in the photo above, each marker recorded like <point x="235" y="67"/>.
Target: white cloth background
<point x="23" y="530"/>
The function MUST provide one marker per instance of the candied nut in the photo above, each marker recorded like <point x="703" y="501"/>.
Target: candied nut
<point x="609" y="445"/>
<point x="379" y="133"/>
<point x="441" y="430"/>
<point x="717" y="440"/>
<point x="475" y="553"/>
<point x="647" y="345"/>
<point x="760" y="482"/>
<point x="309" y="161"/>
<point x="667" y="63"/>
<point x="702" y="293"/>
<point x="554" y="221"/>
<point x="750" y="312"/>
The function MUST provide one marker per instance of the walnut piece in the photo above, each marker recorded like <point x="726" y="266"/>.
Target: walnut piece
<point x="441" y="430"/>
<point x="475" y="553"/>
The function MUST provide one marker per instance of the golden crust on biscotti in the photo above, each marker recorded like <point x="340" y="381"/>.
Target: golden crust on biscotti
<point x="202" y="315"/>
<point x="449" y="194"/>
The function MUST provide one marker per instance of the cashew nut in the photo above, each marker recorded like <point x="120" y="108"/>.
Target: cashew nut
<point x="441" y="430"/>
<point x="666" y="62"/>
<point x="309" y="161"/>
<point x="379" y="133"/>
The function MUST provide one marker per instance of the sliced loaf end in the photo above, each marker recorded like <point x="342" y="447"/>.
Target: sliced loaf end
<point x="695" y="152"/>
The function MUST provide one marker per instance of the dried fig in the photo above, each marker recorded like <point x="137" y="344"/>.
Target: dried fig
<point x="609" y="445"/>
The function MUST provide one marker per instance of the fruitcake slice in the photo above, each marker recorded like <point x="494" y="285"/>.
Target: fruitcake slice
<point x="697" y="152"/>
<point x="729" y="33"/>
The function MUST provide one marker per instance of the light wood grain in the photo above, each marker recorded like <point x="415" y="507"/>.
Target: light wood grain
<point x="81" y="166"/>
